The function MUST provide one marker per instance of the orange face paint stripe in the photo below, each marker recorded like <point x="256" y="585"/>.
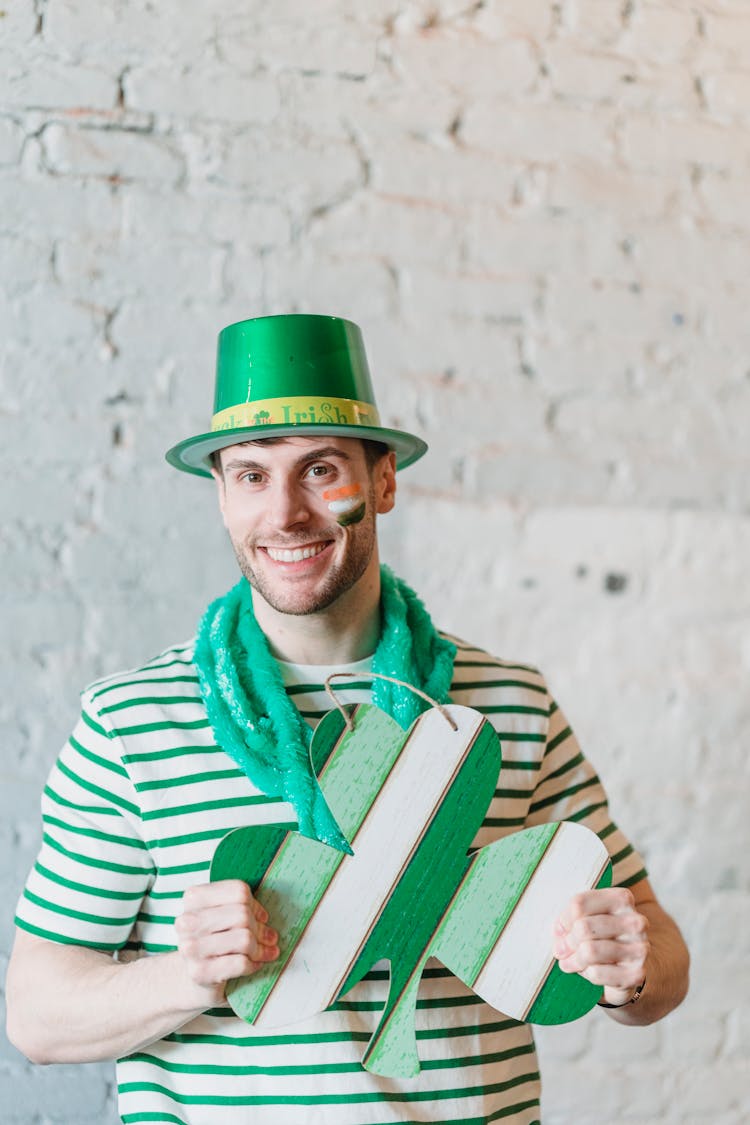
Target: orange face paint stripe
<point x="342" y="492"/>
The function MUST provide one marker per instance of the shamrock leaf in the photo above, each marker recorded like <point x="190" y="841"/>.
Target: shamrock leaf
<point x="410" y="803"/>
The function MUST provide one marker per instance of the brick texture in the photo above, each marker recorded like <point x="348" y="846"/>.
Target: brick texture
<point x="538" y="213"/>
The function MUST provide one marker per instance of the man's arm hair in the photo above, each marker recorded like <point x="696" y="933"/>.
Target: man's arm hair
<point x="667" y="967"/>
<point x="70" y="1003"/>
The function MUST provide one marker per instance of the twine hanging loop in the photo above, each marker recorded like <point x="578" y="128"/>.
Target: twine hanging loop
<point x="392" y="679"/>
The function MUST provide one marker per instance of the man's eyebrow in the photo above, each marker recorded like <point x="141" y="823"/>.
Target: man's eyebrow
<point x="239" y="463"/>
<point x="314" y="455"/>
<point x="322" y="453"/>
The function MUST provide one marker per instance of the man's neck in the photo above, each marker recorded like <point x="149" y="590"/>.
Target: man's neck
<point x="345" y="632"/>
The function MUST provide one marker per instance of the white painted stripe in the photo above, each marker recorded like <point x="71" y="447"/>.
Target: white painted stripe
<point x="382" y="848"/>
<point x="522" y="957"/>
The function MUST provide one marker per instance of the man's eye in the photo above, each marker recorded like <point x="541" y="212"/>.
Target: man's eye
<point x="251" y="478"/>
<point x="319" y="470"/>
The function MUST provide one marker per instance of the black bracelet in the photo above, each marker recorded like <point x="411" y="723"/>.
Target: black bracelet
<point x="633" y="999"/>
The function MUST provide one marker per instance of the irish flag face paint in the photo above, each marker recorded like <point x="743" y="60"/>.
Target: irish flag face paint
<point x="347" y="503"/>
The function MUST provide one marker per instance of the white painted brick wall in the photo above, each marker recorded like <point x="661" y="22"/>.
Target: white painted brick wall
<point x="538" y="213"/>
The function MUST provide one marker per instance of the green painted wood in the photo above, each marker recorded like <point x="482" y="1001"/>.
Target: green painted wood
<point x="290" y="873"/>
<point x="419" y="901"/>
<point x="445" y="903"/>
<point x="498" y="874"/>
<point x="566" y="996"/>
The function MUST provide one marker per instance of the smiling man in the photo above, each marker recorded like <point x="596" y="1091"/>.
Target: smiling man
<point x="124" y="948"/>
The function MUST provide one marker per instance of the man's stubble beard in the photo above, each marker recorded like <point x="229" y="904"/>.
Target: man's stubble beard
<point x="338" y="581"/>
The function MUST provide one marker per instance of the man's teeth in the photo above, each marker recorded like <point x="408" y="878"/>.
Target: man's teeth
<point x="297" y="554"/>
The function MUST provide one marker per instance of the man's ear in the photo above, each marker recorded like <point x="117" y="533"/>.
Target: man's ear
<point x="221" y="490"/>
<point x="385" y="483"/>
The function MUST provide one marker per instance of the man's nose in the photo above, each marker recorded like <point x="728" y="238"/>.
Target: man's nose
<point x="288" y="505"/>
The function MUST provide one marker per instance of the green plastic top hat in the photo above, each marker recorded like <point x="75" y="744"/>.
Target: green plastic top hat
<point x="282" y="376"/>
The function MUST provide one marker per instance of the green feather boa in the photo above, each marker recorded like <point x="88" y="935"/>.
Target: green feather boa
<point x="258" y="725"/>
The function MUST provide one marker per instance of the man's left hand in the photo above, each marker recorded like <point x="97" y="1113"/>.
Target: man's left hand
<point x="602" y="935"/>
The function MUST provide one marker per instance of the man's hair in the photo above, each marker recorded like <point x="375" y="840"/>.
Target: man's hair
<point x="374" y="450"/>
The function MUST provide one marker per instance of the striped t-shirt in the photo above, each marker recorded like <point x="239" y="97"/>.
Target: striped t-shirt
<point x="133" y="811"/>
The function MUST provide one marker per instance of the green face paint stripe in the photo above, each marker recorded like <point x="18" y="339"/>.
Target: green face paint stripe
<point x="467" y="913"/>
<point x="346" y="519"/>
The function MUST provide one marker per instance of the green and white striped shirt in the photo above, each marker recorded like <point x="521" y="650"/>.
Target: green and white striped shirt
<point x="133" y="810"/>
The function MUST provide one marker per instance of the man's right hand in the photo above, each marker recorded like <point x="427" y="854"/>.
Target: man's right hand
<point x="222" y="933"/>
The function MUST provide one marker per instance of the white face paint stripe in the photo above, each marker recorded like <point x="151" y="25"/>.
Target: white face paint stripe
<point x="338" y="507"/>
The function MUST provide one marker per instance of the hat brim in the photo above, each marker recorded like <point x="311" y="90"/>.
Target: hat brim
<point x="192" y="455"/>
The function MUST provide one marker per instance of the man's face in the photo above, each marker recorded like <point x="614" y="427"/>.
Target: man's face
<point x="300" y="513"/>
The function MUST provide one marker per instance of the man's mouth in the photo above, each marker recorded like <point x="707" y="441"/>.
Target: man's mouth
<point x="295" y="554"/>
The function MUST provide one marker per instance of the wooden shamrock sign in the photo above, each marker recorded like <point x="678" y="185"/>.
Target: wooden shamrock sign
<point x="410" y="803"/>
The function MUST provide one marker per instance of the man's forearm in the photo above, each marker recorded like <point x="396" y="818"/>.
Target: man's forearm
<point x="667" y="971"/>
<point x="70" y="1004"/>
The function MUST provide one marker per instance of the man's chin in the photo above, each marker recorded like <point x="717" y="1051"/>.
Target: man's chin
<point x="295" y="602"/>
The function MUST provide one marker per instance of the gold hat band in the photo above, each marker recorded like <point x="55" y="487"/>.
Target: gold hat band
<point x="296" y="411"/>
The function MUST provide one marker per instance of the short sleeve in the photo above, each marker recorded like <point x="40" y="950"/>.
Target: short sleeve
<point x="568" y="788"/>
<point x="93" y="868"/>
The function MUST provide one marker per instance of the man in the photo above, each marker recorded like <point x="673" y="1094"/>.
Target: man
<point x="124" y="947"/>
